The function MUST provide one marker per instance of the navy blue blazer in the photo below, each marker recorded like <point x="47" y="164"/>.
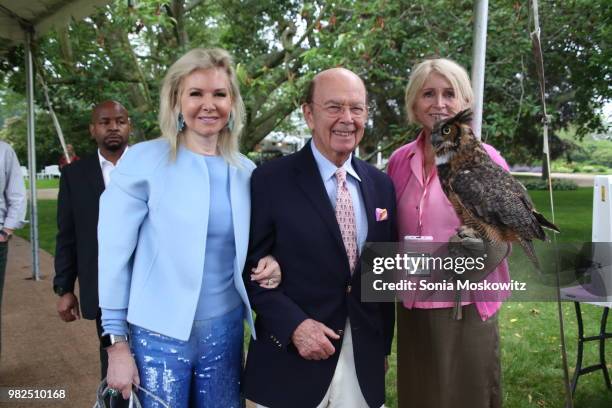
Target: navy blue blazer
<point x="76" y="248"/>
<point x="293" y="219"/>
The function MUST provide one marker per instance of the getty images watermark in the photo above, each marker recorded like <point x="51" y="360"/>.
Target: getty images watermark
<point x="440" y="272"/>
<point x="458" y="269"/>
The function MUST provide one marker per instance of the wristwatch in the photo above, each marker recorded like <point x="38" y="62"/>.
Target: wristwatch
<point x="108" y="340"/>
<point x="60" y="291"/>
<point x="5" y="234"/>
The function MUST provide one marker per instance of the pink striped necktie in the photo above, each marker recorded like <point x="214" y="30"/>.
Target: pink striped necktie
<point x="346" y="218"/>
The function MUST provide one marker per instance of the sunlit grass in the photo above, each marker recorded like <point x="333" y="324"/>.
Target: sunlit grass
<point x="44" y="183"/>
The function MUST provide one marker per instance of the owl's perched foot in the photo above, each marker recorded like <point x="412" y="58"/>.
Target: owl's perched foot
<point x="468" y="243"/>
<point x="469" y="239"/>
<point x="467" y="232"/>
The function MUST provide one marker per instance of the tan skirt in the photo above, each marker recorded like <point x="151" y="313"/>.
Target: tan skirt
<point x="444" y="363"/>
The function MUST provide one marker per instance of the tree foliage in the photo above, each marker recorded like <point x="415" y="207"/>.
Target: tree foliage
<point x="123" y="52"/>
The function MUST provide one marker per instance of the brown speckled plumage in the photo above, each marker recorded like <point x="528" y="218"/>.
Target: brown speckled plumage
<point x="485" y="196"/>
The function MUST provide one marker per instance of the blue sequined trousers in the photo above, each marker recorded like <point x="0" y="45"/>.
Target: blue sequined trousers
<point x="203" y="371"/>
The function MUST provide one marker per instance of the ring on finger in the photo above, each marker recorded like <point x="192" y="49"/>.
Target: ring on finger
<point x="270" y="282"/>
<point x="113" y="392"/>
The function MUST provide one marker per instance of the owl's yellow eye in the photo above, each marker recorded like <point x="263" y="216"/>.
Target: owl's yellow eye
<point x="446" y="130"/>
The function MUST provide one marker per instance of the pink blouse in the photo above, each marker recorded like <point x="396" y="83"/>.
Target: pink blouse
<point x="423" y="209"/>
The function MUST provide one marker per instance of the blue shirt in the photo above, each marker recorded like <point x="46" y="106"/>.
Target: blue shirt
<point x="327" y="169"/>
<point x="218" y="294"/>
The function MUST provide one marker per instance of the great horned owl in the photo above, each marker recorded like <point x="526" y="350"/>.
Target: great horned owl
<point x="485" y="196"/>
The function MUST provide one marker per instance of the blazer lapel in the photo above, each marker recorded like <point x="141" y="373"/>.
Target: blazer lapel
<point x="96" y="181"/>
<point x="240" y="200"/>
<point x="367" y="192"/>
<point x="309" y="180"/>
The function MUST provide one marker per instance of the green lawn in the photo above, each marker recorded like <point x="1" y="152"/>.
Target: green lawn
<point x="44" y="183"/>
<point x="531" y="360"/>
<point x="47" y="225"/>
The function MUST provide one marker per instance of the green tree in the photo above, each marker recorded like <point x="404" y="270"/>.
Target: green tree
<point x="123" y="52"/>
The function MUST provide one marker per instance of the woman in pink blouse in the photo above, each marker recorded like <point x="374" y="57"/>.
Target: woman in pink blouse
<point x="442" y="361"/>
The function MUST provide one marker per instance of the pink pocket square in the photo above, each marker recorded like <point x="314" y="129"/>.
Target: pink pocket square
<point x="381" y="214"/>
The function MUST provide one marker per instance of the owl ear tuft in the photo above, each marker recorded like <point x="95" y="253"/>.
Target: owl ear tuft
<point x="464" y="117"/>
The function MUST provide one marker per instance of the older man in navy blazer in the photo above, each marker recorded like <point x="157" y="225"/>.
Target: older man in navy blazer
<point x="318" y="344"/>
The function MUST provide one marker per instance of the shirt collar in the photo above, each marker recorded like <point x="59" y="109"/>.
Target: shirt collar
<point x="418" y="146"/>
<point x="104" y="161"/>
<point x="328" y="169"/>
<point x="417" y="158"/>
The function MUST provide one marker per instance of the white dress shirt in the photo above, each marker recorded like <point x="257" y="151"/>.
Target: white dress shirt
<point x="327" y="169"/>
<point x="107" y="166"/>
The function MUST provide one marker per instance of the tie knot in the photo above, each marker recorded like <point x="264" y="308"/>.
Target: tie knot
<point x="341" y="176"/>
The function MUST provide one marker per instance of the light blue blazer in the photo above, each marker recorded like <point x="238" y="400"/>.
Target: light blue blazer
<point x="152" y="236"/>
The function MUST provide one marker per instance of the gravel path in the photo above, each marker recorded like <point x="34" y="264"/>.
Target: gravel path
<point x="39" y="351"/>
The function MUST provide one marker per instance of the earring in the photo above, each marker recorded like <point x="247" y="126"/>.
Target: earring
<point x="180" y="123"/>
<point x="230" y="122"/>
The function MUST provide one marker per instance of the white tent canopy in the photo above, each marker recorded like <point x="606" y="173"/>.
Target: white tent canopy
<point x="20" y="23"/>
<point x="41" y="15"/>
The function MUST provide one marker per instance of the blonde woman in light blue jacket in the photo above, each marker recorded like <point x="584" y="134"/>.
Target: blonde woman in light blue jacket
<point x="173" y="236"/>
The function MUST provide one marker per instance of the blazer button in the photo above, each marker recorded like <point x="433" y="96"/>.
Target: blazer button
<point x="349" y="288"/>
<point x="340" y="332"/>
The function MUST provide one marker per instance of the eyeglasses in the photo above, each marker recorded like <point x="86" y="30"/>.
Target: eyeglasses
<point x="334" y="110"/>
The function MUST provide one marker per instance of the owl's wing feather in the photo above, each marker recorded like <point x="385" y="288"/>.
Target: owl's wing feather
<point x="492" y="195"/>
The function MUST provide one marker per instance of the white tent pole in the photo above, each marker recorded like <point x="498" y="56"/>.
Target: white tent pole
<point x="31" y="153"/>
<point x="58" y="128"/>
<point x="479" y="47"/>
